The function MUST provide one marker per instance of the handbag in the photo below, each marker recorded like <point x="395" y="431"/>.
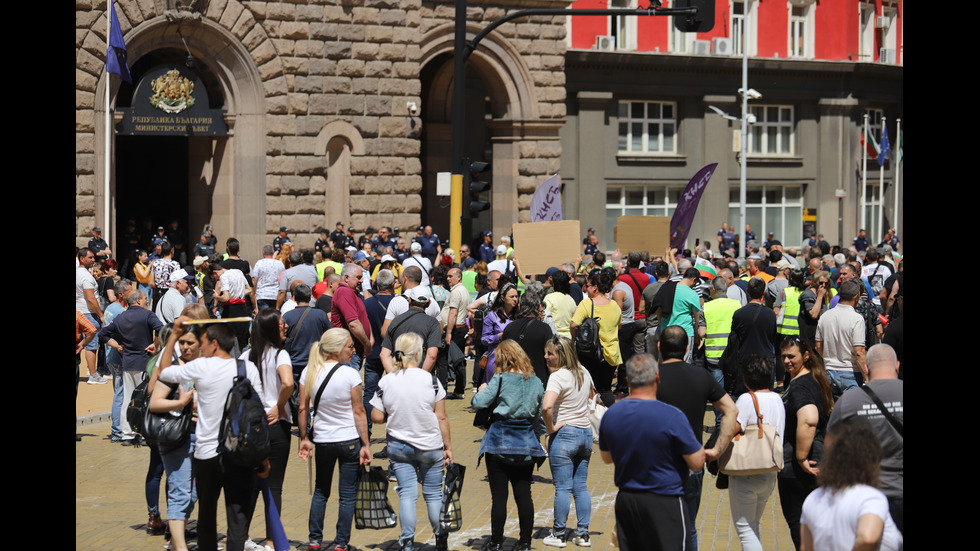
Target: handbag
<point x="168" y="429"/>
<point x="484" y="416"/>
<point x="371" y="507"/>
<point x="596" y="410"/>
<point x="756" y="451"/>
<point x="451" y="514"/>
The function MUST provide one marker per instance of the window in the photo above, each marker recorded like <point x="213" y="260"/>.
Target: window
<point x="801" y="28"/>
<point x="641" y="201"/>
<point x="647" y="127"/>
<point x="771" y="208"/>
<point x="772" y="132"/>
<point x="872" y="220"/>
<point x="743" y="21"/>
<point x="867" y="37"/>
<point x="623" y="28"/>
<point x="889" y="34"/>
<point x="874" y="123"/>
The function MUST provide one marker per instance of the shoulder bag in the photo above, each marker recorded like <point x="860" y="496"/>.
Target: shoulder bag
<point x="757" y="450"/>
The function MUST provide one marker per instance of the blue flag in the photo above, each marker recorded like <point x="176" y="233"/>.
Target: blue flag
<point x="886" y="146"/>
<point x="115" y="59"/>
<point x="279" y="540"/>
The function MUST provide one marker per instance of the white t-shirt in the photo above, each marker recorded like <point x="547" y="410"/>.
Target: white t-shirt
<point x="421" y="263"/>
<point x="503" y="266"/>
<point x="265" y="275"/>
<point x="83" y="280"/>
<point x="407" y="396"/>
<point x="234" y="282"/>
<point x="399" y="304"/>
<point x="572" y="405"/>
<point x="212" y="378"/>
<point x="770" y="406"/>
<point x="271" y="385"/>
<point x="832" y="517"/>
<point x="334" y="420"/>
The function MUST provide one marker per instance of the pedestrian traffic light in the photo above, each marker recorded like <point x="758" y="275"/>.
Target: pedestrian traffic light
<point x="703" y="22"/>
<point x="477" y="181"/>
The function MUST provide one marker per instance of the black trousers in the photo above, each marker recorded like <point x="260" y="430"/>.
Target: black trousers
<point x="500" y="473"/>
<point x="237" y="483"/>
<point x="442" y="362"/>
<point x="792" y="494"/>
<point x="650" y="522"/>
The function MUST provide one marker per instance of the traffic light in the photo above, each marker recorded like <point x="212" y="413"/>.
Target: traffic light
<point x="703" y="22"/>
<point x="475" y="170"/>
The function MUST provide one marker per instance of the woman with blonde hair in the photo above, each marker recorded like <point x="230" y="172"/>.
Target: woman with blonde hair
<point x="412" y="403"/>
<point x="514" y="395"/>
<point x="566" y="417"/>
<point x="332" y="387"/>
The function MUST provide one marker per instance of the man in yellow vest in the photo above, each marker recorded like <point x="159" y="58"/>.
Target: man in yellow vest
<point x="718" y="314"/>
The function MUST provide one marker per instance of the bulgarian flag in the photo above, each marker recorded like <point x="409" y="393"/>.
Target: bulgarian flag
<point x="706" y="268"/>
<point x="868" y="142"/>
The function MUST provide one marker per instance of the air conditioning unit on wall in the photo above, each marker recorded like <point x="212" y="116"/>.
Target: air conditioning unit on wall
<point x="605" y="43"/>
<point x="721" y="46"/>
<point x="701" y="47"/>
<point x="886" y="55"/>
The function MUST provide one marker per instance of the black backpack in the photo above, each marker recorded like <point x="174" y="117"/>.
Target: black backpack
<point x="139" y="405"/>
<point x="244" y="434"/>
<point x="587" y="343"/>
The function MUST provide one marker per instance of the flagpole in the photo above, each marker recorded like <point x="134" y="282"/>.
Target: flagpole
<point x="881" y="181"/>
<point x="108" y="125"/>
<point x="864" y="171"/>
<point x="898" y="161"/>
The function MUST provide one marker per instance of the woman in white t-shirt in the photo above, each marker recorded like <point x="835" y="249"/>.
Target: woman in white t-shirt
<point x="748" y="494"/>
<point x="848" y="511"/>
<point x="276" y="371"/>
<point x="339" y="429"/>
<point x="565" y="409"/>
<point x="412" y="403"/>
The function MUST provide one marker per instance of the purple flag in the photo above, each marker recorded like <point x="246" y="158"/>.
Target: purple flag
<point x="546" y="202"/>
<point x="115" y="59"/>
<point x="687" y="205"/>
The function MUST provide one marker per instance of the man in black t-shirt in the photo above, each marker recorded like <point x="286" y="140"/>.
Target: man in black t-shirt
<point x="414" y="320"/>
<point x="687" y="388"/>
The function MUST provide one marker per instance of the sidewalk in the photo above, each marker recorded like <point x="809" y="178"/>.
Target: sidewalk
<point x="110" y="507"/>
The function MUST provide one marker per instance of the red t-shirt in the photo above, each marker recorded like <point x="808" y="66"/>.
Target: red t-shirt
<point x="348" y="306"/>
<point x="644" y="280"/>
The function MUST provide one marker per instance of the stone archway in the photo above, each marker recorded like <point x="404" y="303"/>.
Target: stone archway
<point x="233" y="168"/>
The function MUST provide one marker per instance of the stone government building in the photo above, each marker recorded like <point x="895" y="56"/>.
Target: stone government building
<point x="336" y="110"/>
<point x="340" y="110"/>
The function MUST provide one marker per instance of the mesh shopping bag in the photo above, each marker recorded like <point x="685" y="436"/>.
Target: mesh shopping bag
<point x="371" y="508"/>
<point x="451" y="514"/>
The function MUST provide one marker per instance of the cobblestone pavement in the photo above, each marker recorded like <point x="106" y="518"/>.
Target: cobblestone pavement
<point x="110" y="507"/>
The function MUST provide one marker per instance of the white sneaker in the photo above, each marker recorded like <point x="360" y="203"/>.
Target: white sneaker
<point x="582" y="541"/>
<point x="555" y="541"/>
<point x="97" y="379"/>
<point x="252" y="546"/>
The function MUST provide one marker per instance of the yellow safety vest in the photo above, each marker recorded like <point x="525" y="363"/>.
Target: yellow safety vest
<point x="718" y="319"/>
<point x="790" y="313"/>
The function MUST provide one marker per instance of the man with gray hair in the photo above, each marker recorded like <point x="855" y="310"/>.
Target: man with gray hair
<point x="376" y="306"/>
<point x="113" y="359"/>
<point x="299" y="270"/>
<point x="347" y="311"/>
<point x="265" y="276"/>
<point x="841" y="340"/>
<point x="654" y="449"/>
<point x="887" y="390"/>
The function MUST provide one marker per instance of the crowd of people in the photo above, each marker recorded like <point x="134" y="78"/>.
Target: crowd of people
<point x="803" y="341"/>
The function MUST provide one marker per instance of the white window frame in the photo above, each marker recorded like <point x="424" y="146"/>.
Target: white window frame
<point x="760" y="227"/>
<point x="679" y="42"/>
<point x="748" y="23"/>
<point x="872" y="198"/>
<point x="800" y="36"/>
<point x="866" y="36"/>
<point x="889" y="35"/>
<point x="647" y="121"/>
<point x="623" y="28"/>
<point x="762" y="126"/>
<point x="619" y="208"/>
<point x="874" y="123"/>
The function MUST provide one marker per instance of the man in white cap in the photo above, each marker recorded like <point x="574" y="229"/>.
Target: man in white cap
<point x="173" y="302"/>
<point x="419" y="261"/>
<point x="502" y="264"/>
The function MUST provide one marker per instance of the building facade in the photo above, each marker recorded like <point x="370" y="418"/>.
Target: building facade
<point x="337" y="110"/>
<point x="640" y="123"/>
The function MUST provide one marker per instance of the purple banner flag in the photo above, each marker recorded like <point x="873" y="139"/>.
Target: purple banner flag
<point x="546" y="202"/>
<point x="687" y="205"/>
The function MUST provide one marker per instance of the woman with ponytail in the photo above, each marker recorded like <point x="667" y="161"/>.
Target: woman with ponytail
<point x="339" y="429"/>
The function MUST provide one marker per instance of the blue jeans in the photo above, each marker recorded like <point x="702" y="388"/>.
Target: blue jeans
<point x="181" y="490"/>
<point x="145" y="287"/>
<point x="117" y="397"/>
<point x="568" y="455"/>
<point x="93" y="345"/>
<point x="692" y="496"/>
<point x="843" y="380"/>
<point x="327" y="455"/>
<point x="373" y="370"/>
<point x="410" y="465"/>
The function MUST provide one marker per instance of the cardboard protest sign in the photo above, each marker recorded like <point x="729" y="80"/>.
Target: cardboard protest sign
<point x="643" y="233"/>
<point x="541" y="245"/>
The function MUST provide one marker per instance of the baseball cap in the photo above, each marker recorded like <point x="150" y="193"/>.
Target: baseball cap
<point x="416" y="247"/>
<point x="501" y="249"/>
<point x="179" y="274"/>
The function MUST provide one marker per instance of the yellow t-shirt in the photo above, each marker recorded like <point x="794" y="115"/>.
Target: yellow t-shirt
<point x="610" y="317"/>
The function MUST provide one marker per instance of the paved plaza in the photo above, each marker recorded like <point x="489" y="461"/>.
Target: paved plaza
<point x="110" y="507"/>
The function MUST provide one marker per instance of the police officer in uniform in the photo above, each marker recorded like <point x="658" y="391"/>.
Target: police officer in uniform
<point x="283" y="238"/>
